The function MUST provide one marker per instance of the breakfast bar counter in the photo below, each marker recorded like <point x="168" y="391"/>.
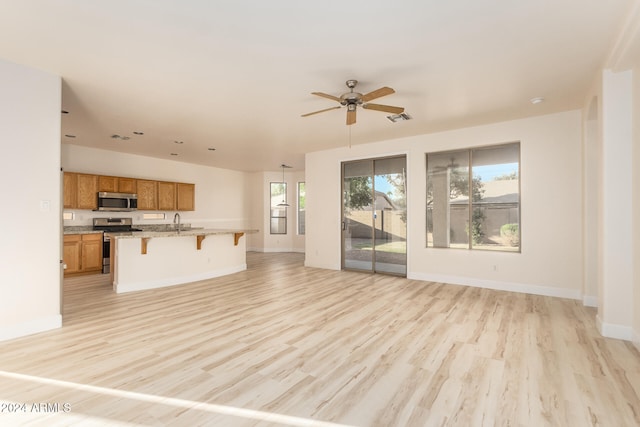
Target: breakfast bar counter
<point x="154" y="259"/>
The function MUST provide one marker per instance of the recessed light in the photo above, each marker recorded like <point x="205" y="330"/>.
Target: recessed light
<point x="138" y="133"/>
<point x="536" y="100"/>
<point x="395" y="118"/>
<point x="178" y="142"/>
<point x="211" y="149"/>
<point x="69" y="135"/>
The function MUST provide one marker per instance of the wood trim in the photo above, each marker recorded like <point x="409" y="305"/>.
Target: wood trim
<point x="236" y="238"/>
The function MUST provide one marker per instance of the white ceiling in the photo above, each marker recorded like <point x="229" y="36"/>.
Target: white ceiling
<point x="236" y="75"/>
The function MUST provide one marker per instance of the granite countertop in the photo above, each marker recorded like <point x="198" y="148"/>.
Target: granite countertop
<point x="88" y="229"/>
<point x="183" y="232"/>
<point x="80" y="229"/>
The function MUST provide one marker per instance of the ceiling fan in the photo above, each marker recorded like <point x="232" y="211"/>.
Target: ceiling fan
<point x="352" y="99"/>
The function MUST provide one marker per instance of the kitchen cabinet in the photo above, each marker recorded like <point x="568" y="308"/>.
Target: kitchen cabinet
<point x="70" y="190"/>
<point x="80" y="192"/>
<point x="166" y="196"/>
<point x="185" y="196"/>
<point x="82" y="253"/>
<point x="147" y="195"/>
<point x="126" y="185"/>
<point x="87" y="190"/>
<point x="108" y="183"/>
<point x="116" y="184"/>
<point x="71" y="253"/>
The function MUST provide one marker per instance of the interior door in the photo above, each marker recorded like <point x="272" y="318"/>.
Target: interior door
<point x="374" y="215"/>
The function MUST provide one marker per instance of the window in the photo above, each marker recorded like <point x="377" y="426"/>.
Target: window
<point x="278" y="215"/>
<point x="473" y="198"/>
<point x="302" y="198"/>
<point x="161" y="215"/>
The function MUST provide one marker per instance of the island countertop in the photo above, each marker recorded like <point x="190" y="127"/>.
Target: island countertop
<point x="181" y="233"/>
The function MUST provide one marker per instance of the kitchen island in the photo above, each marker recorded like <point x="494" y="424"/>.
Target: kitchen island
<point x="155" y="259"/>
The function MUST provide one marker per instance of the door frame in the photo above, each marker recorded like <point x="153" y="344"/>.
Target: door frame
<point x="344" y="228"/>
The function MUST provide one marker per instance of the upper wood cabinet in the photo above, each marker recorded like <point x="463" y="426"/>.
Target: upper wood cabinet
<point x="80" y="192"/>
<point x="166" y="196"/>
<point x="87" y="191"/>
<point x="70" y="190"/>
<point x="147" y="195"/>
<point x="108" y="183"/>
<point x="185" y="196"/>
<point x="116" y="184"/>
<point x="127" y="185"/>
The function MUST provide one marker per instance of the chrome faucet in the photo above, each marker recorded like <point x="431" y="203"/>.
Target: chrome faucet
<point x="176" y="217"/>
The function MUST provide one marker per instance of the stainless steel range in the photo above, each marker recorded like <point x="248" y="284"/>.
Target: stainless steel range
<point x="111" y="225"/>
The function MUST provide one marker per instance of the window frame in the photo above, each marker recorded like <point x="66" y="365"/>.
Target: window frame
<point x="301" y="208"/>
<point x="473" y="204"/>
<point x="274" y="209"/>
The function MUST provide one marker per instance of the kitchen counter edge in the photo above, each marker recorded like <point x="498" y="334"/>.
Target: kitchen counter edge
<point x="181" y="233"/>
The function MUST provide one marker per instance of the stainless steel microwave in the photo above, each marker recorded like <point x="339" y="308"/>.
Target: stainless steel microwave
<point x="117" y="202"/>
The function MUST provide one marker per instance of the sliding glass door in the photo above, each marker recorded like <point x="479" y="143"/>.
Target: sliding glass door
<point x="374" y="215"/>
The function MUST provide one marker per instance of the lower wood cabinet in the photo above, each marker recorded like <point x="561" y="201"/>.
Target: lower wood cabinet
<point x="82" y="253"/>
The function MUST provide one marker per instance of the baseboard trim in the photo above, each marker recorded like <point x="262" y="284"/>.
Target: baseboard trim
<point x="589" y="301"/>
<point x="499" y="286"/>
<point x="173" y="281"/>
<point x="636" y="339"/>
<point x="611" y="330"/>
<point x="31" y="327"/>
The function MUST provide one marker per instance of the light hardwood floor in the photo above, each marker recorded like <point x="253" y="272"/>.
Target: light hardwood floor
<point x="281" y="344"/>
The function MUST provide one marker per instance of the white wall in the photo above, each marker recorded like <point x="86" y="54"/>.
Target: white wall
<point x="551" y="195"/>
<point x="222" y="200"/>
<point x="30" y="248"/>
<point x="254" y="189"/>
<point x="615" y="310"/>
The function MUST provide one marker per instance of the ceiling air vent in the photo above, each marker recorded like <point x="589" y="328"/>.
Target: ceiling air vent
<point x="399" y="117"/>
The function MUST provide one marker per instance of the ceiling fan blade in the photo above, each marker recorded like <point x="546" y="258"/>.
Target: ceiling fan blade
<point x="326" y="95"/>
<point x="351" y="117"/>
<point x="385" y="108"/>
<point x="383" y="91"/>
<point x="321" y="111"/>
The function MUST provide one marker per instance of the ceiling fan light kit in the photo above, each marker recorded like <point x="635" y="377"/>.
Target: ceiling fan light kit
<point x="352" y="100"/>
